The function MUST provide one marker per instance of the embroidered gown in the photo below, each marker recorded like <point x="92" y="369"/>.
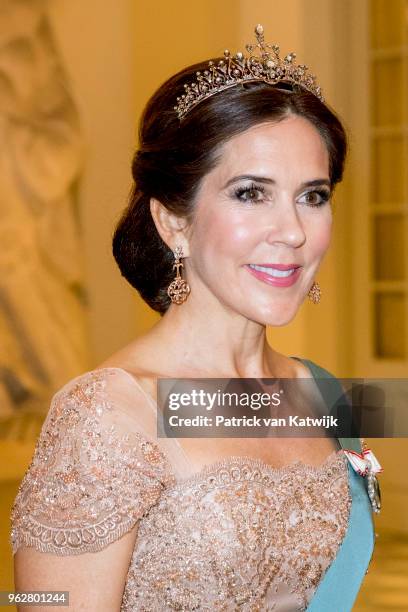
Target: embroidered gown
<point x="236" y="535"/>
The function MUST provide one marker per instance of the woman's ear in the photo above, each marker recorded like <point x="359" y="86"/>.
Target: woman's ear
<point x="172" y="229"/>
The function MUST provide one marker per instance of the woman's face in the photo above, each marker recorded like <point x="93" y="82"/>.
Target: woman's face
<point x="266" y="203"/>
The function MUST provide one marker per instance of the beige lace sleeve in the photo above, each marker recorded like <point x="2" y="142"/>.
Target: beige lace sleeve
<point x="93" y="474"/>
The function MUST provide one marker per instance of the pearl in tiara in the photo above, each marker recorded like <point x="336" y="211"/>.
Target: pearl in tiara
<point x="262" y="63"/>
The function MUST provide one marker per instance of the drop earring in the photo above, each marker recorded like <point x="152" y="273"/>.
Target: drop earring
<point x="315" y="293"/>
<point x="179" y="289"/>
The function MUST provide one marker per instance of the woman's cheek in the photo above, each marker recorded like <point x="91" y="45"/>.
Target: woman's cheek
<point x="239" y="235"/>
<point x="230" y="231"/>
<point x="319" y="235"/>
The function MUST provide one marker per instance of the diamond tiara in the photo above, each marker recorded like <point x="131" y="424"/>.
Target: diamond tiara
<point x="262" y="64"/>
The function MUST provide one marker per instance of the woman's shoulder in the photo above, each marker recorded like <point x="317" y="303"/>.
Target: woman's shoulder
<point x="100" y="377"/>
<point x="317" y="370"/>
<point x="101" y="389"/>
<point x="104" y="407"/>
<point x="109" y="400"/>
<point x="335" y="394"/>
<point x="131" y="364"/>
<point x="95" y="470"/>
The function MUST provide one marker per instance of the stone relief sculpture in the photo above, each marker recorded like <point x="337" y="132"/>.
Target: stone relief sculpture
<point x="42" y="301"/>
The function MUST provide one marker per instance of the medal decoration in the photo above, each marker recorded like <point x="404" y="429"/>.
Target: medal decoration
<point x="366" y="464"/>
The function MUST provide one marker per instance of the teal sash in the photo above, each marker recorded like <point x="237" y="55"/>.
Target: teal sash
<point x="341" y="583"/>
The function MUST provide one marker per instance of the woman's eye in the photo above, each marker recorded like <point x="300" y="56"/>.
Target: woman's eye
<point x="250" y="194"/>
<point x="317" y="197"/>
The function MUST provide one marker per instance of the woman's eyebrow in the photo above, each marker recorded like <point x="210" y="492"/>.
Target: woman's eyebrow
<point x="270" y="181"/>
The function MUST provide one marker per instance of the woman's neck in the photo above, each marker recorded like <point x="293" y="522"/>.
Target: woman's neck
<point x="205" y="345"/>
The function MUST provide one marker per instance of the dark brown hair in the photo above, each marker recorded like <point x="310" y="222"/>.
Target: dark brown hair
<point x="174" y="157"/>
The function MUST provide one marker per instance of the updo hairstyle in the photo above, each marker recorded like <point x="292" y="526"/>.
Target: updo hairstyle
<point x="173" y="157"/>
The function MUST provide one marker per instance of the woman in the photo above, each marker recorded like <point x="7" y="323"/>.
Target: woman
<point x="225" y="231"/>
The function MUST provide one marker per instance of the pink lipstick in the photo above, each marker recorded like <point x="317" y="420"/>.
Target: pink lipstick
<point x="277" y="275"/>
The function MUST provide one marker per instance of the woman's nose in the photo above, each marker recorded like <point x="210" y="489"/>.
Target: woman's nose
<point x="284" y="225"/>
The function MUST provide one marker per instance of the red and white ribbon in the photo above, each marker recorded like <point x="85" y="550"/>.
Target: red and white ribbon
<point x="361" y="461"/>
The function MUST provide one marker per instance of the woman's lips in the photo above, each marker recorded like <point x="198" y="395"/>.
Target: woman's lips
<point x="277" y="266"/>
<point x="285" y="281"/>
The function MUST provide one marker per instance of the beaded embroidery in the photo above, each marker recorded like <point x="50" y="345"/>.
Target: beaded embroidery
<point x="88" y="482"/>
<point x="238" y="535"/>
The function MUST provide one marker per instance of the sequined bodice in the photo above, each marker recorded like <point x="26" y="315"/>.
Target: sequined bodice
<point x="237" y="535"/>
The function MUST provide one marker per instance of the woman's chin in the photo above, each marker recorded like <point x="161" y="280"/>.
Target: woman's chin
<point x="279" y="322"/>
<point x="279" y="317"/>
